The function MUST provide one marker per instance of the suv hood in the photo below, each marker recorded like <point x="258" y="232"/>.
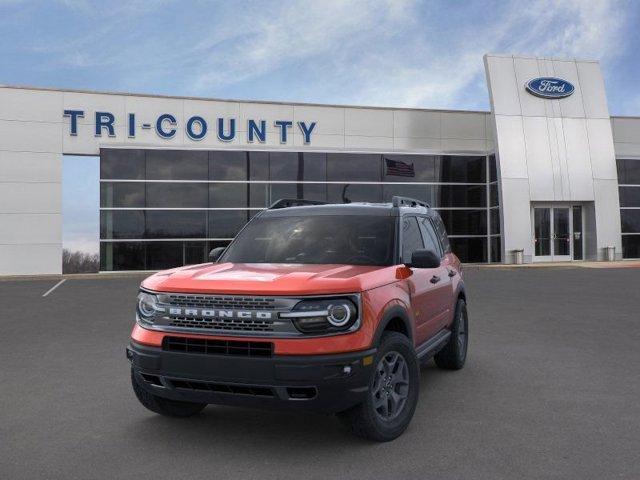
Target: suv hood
<point x="270" y="279"/>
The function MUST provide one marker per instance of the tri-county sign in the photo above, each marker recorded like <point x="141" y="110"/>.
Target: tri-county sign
<point x="196" y="127"/>
<point x="549" y="87"/>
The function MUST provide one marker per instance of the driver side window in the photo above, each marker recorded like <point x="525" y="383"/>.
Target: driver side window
<point x="411" y="238"/>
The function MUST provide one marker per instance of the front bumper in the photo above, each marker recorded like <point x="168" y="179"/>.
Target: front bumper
<point x="322" y="383"/>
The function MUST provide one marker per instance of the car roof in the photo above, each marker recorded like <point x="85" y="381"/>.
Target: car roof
<point x="355" y="208"/>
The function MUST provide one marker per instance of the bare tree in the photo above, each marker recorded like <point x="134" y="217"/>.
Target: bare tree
<point x="80" y="262"/>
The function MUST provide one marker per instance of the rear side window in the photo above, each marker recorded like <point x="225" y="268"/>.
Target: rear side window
<point x="430" y="237"/>
<point x="442" y="233"/>
<point x="411" y="238"/>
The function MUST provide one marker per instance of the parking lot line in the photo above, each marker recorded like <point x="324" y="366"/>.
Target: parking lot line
<point x="54" y="287"/>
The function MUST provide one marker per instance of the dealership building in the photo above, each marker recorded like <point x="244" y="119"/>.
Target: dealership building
<point x="546" y="175"/>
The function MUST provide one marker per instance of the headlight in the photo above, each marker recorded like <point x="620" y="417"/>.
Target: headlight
<point x="147" y="306"/>
<point x="324" y="315"/>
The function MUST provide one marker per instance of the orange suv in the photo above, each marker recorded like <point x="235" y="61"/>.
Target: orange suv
<point x="320" y="307"/>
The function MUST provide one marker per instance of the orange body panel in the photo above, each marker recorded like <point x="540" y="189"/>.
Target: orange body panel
<point x="380" y="287"/>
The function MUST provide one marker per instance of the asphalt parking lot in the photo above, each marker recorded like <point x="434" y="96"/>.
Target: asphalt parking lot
<point x="551" y="390"/>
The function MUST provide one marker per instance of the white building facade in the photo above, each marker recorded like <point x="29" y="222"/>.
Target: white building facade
<point x="547" y="172"/>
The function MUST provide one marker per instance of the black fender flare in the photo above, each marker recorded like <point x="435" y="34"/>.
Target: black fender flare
<point x="461" y="292"/>
<point x="392" y="312"/>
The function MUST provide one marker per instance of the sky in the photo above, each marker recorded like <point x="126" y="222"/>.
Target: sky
<point x="400" y="53"/>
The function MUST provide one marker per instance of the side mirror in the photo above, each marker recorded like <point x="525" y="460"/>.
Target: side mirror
<point x="424" y="259"/>
<point x="214" y="254"/>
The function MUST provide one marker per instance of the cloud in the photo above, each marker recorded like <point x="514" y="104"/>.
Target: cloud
<point x="392" y="53"/>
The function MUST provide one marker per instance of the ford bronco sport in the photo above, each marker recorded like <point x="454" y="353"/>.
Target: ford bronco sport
<point x="328" y="308"/>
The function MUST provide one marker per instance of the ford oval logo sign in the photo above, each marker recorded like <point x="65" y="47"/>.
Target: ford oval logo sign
<point x="549" y="87"/>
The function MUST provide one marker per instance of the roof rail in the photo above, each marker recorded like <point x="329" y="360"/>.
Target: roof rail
<point x="294" y="202"/>
<point x="398" y="201"/>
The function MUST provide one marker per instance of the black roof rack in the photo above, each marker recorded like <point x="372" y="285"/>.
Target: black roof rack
<point x="294" y="202"/>
<point x="398" y="201"/>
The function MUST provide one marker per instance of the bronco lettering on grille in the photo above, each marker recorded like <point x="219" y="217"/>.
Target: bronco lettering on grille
<point x="212" y="313"/>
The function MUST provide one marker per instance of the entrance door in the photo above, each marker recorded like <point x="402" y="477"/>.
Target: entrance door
<point x="557" y="233"/>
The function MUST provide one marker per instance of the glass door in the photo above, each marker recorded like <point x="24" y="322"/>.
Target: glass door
<point x="557" y="233"/>
<point x="561" y="250"/>
<point x="542" y="234"/>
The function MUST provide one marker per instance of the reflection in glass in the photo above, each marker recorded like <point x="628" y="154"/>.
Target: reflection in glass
<point x="470" y="250"/>
<point x="465" y="222"/>
<point x="561" y="236"/>
<point x="226" y="223"/>
<point x="357" y="167"/>
<point x="631" y="246"/>
<point x="496" y="250"/>
<point x="628" y="171"/>
<point x="228" y="195"/>
<point x="228" y="165"/>
<point x="629" y="196"/>
<point x="161" y="255"/>
<point x="121" y="224"/>
<point x="176" y="224"/>
<point x="177" y="165"/>
<point x="630" y="221"/>
<point x="459" y="196"/>
<point x="177" y="195"/>
<point x="129" y="195"/>
<point x="122" y="256"/>
<point x="125" y="164"/>
<point x="542" y="230"/>
<point x="349" y="192"/>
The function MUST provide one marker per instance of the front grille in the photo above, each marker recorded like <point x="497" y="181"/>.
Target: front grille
<point x="218" y="347"/>
<point x="212" y="301"/>
<point x="226" y="324"/>
<point x="253" y="390"/>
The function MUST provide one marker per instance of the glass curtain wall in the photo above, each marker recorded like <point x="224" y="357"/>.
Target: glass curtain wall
<point x="166" y="208"/>
<point x="629" y="190"/>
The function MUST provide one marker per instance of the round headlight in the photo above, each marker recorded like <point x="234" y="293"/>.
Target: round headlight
<point x="339" y="315"/>
<point x="146" y="305"/>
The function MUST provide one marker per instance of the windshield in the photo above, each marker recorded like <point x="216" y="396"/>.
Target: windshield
<point x="349" y="239"/>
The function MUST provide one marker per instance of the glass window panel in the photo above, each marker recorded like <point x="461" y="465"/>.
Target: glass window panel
<point x="409" y="168"/>
<point x="630" y="221"/>
<point x="285" y="166"/>
<point x="307" y="191"/>
<point x="122" y="256"/>
<point x="228" y="195"/>
<point x="177" y="195"/>
<point x="258" y="165"/>
<point x="419" y="192"/>
<point x="496" y="249"/>
<point x="357" y="167"/>
<point x="116" y="194"/>
<point x="459" y="196"/>
<point x="176" y="224"/>
<point x="461" y="169"/>
<point x="228" y="165"/>
<point x="411" y="238"/>
<point x="628" y="171"/>
<point x="494" y="199"/>
<point x="315" y="167"/>
<point x="470" y="250"/>
<point x="258" y="195"/>
<point x="121" y="224"/>
<point x="442" y="233"/>
<point x="493" y="169"/>
<point x="542" y="231"/>
<point x="226" y="223"/>
<point x="464" y="222"/>
<point x="125" y="164"/>
<point x="429" y="236"/>
<point x="195" y="252"/>
<point x="177" y="165"/>
<point x="630" y="246"/>
<point x="629" y="196"/>
<point x="162" y="255"/>
<point x="495" y="220"/>
<point x="339" y="193"/>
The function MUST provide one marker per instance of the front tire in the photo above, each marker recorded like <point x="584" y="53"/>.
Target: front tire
<point x="454" y="354"/>
<point x="164" y="406"/>
<point x="393" y="392"/>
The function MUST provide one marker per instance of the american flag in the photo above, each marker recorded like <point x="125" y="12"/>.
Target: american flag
<point x="399" y="169"/>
